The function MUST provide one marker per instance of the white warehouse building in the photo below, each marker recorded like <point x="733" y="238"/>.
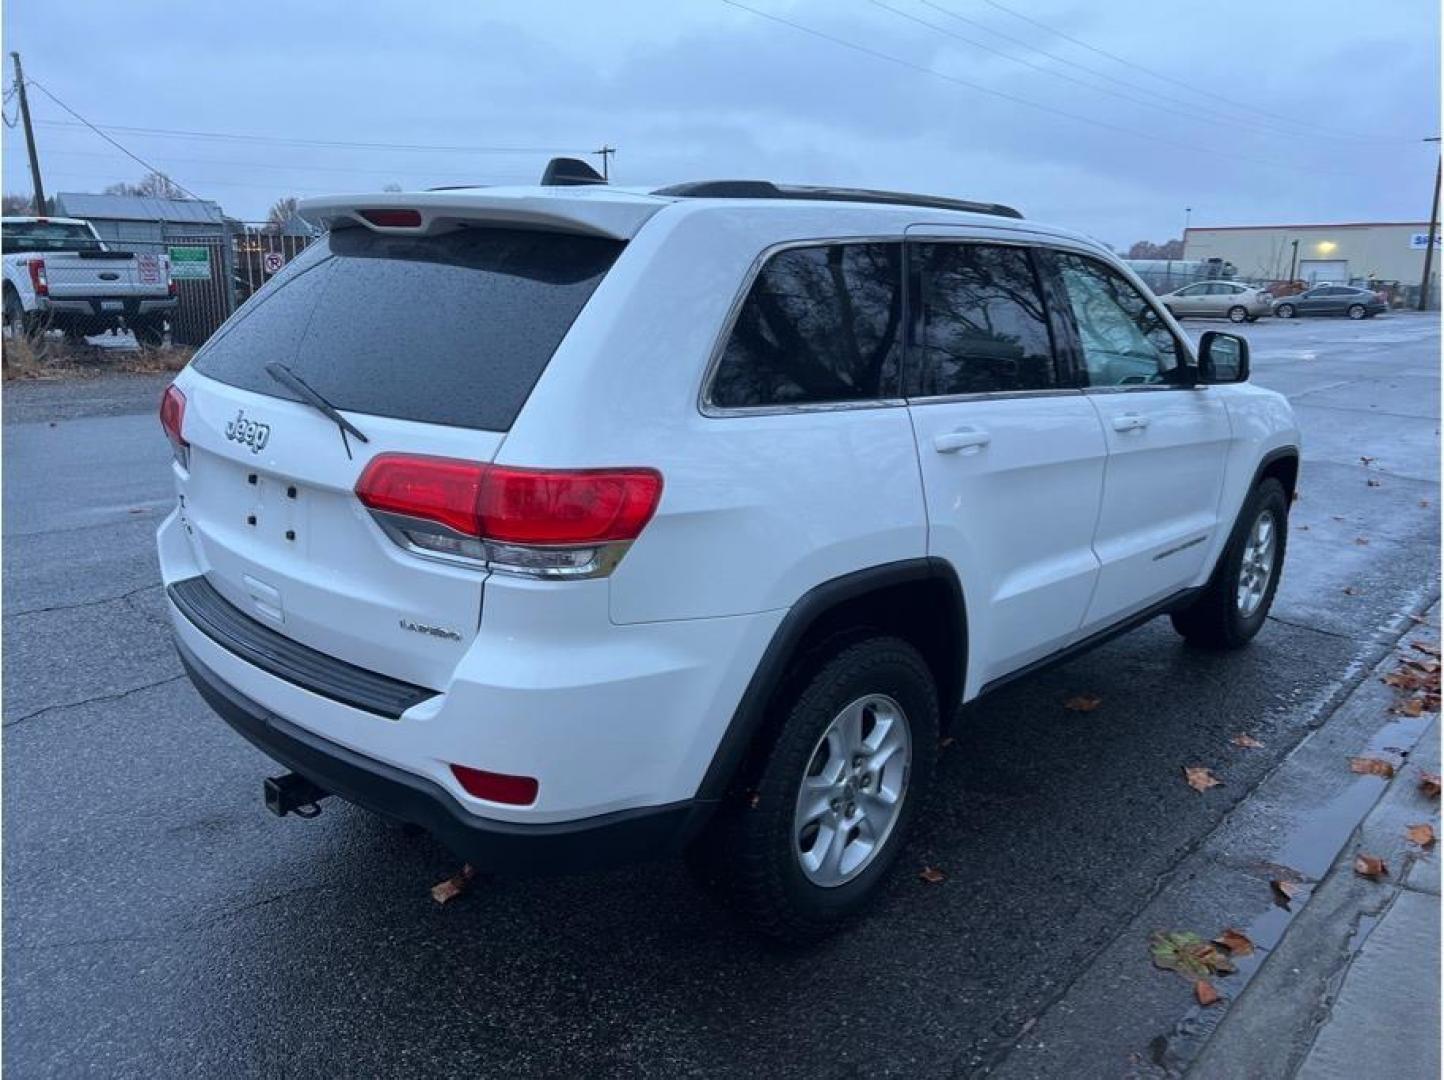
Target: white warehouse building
<point x="1385" y="251"/>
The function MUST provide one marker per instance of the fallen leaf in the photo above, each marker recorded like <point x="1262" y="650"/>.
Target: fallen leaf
<point x="1361" y="540"/>
<point x="1248" y="742"/>
<point x="1302" y="528"/>
<point x="1235" y="941"/>
<point x="1367" y="460"/>
<point x="1337" y="517"/>
<point x="1373" y="482"/>
<point x="1082" y="703"/>
<point x="1205" y="993"/>
<point x="1284" y="892"/>
<point x="1429" y="783"/>
<point x="1423" y="835"/>
<point x="1427" y="648"/>
<point x="1423" y="502"/>
<point x="1352" y="590"/>
<point x="446" y="891"/>
<point x="1410" y="707"/>
<point x="1200" y="778"/>
<point x="1188" y="953"/>
<point x="932" y="875"/>
<point x="1372" y="766"/>
<point x="1370" y="866"/>
<point x="136" y="510"/>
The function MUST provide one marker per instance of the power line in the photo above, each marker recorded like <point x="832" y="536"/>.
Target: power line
<point x="1160" y="75"/>
<point x="268" y="165"/>
<point x="1077" y="117"/>
<point x="1247" y="117"/>
<point x="107" y="138"/>
<point x="326" y="143"/>
<point x="1036" y="67"/>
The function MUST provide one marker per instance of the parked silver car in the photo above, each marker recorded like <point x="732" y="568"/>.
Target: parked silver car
<point x="1219" y="300"/>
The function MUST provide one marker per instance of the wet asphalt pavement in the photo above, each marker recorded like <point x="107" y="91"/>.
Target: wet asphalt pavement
<point x="158" y="922"/>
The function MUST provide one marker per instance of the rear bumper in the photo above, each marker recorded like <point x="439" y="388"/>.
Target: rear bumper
<point x="491" y="846"/>
<point x="95" y="307"/>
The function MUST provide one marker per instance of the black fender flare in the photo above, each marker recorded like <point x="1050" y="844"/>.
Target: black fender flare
<point x="772" y="669"/>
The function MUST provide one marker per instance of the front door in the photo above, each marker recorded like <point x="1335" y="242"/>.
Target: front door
<point x="1168" y="442"/>
<point x="1012" y="456"/>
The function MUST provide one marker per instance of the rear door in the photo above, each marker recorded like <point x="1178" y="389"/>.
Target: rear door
<point x="1012" y="457"/>
<point x="1168" y="441"/>
<point x="1192" y="300"/>
<point x="429" y="345"/>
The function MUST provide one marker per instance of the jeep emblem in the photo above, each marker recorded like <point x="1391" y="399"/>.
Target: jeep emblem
<point x="248" y="432"/>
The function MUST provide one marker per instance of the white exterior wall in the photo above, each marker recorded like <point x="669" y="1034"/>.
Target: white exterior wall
<point x="1382" y="251"/>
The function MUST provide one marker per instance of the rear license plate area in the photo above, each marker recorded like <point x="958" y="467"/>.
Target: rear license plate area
<point x="272" y="508"/>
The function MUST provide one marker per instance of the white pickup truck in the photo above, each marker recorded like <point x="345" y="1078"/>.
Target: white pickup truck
<point x="60" y="275"/>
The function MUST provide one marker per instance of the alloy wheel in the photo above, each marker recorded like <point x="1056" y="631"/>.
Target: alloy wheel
<point x="1257" y="568"/>
<point x="852" y="791"/>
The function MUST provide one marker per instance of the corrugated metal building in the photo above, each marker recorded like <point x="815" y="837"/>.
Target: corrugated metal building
<point x="1355" y="251"/>
<point x="141" y="219"/>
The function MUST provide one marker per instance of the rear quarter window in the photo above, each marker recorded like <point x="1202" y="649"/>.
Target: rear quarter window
<point x="819" y="325"/>
<point x="452" y="329"/>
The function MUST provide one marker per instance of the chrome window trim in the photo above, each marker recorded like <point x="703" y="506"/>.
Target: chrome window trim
<point x="704" y="393"/>
<point x="994" y="395"/>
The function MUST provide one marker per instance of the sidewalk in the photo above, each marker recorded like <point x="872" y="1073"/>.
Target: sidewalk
<point x="1352" y="989"/>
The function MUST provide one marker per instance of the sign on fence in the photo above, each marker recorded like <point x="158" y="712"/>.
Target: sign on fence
<point x="190" y="263"/>
<point x="147" y="267"/>
<point x="273" y="262"/>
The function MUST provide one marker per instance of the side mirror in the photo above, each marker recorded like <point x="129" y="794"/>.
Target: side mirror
<point x="1222" y="358"/>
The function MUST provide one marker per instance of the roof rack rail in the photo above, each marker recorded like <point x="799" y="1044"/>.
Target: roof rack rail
<point x="766" y="189"/>
<point x="569" y="171"/>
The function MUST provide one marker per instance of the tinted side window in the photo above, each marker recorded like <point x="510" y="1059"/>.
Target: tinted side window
<point x="982" y="328"/>
<point x="1123" y="340"/>
<point x="820" y="324"/>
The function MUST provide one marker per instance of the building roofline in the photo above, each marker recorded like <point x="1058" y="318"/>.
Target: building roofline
<point x="1320" y="225"/>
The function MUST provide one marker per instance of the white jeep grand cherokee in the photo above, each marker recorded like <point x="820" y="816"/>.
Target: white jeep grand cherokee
<point x="579" y="524"/>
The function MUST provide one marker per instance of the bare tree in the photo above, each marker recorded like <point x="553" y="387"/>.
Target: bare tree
<point x="282" y="211"/>
<point x="1145" y="249"/>
<point x="14" y="205"/>
<point x="156" y="185"/>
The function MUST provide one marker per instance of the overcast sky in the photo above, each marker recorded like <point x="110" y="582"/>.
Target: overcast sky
<point x="1265" y="112"/>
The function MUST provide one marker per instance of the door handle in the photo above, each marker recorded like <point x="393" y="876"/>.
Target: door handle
<point x="1130" y="421"/>
<point x="971" y="439"/>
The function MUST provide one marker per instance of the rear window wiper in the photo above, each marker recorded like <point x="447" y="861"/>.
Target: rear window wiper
<point x="289" y="379"/>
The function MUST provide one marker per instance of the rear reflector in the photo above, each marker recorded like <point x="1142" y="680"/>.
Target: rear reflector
<point x="393" y="219"/>
<point x="172" y="420"/>
<point x="497" y="787"/>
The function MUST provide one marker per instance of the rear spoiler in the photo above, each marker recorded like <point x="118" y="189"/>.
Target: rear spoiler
<point x="617" y="216"/>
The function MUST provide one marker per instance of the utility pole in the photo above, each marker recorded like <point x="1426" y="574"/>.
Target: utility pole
<point x="1187" y="217"/>
<point x="1433" y="231"/>
<point x="1294" y="264"/>
<point x="606" y="152"/>
<point x="29" y="137"/>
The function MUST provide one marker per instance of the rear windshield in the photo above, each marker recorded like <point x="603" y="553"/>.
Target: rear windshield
<point x="452" y="329"/>
<point x="28" y="236"/>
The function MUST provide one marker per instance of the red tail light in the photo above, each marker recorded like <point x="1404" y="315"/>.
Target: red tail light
<point x="543" y="521"/>
<point x="583" y="506"/>
<point x="37" y="277"/>
<point x="433" y="489"/>
<point x="171" y="287"/>
<point x="497" y="787"/>
<point x="172" y="419"/>
<point x="393" y="219"/>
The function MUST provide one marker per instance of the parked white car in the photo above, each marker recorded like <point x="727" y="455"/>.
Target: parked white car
<point x="1229" y="300"/>
<point x="578" y="524"/>
<point x="60" y="275"/>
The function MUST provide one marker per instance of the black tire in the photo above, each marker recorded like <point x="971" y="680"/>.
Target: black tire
<point x="149" y="333"/>
<point x="749" y="854"/>
<point x="1215" y="619"/>
<point x="14" y="312"/>
<point x="1285" y="311"/>
<point x="1238" y="313"/>
<point x="1357" y="311"/>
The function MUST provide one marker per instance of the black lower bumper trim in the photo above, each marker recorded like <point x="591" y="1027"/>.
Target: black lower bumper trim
<point x="491" y="846"/>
